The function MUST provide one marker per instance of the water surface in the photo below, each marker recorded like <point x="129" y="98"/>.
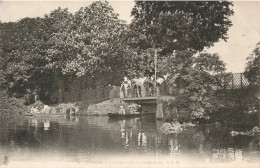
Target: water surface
<point x="82" y="138"/>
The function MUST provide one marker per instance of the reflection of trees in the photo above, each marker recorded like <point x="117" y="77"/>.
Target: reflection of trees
<point x="45" y="133"/>
<point x="72" y="118"/>
<point x="34" y="123"/>
<point x="49" y="132"/>
<point x="15" y="136"/>
<point x="97" y="135"/>
<point x="101" y="122"/>
<point x="125" y="133"/>
<point x="227" y="155"/>
<point x="173" y="145"/>
<point x="223" y="147"/>
<point x="46" y="125"/>
<point x="191" y="139"/>
<point x="220" y="138"/>
<point x="132" y="135"/>
<point x="142" y="139"/>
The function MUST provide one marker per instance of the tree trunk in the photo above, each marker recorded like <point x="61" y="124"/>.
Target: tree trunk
<point x="61" y="89"/>
<point x="100" y="83"/>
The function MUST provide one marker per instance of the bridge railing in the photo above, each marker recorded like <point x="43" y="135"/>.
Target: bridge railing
<point x="233" y="81"/>
<point x="226" y="81"/>
<point x="146" y="90"/>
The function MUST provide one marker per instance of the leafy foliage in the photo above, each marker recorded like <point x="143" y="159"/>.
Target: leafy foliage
<point x="175" y="25"/>
<point x="45" y="54"/>
<point x="11" y="105"/>
<point x="88" y="42"/>
<point x="23" y="50"/>
<point x="178" y="30"/>
<point x="194" y="81"/>
<point x="236" y="107"/>
<point x="252" y="71"/>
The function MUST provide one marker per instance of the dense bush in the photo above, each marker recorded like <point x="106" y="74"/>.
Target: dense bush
<point x="237" y="108"/>
<point x="10" y="105"/>
<point x="194" y="81"/>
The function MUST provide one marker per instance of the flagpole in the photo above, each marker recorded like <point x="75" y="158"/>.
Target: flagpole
<point x="155" y="70"/>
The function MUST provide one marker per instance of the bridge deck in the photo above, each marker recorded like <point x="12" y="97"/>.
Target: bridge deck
<point x="152" y="104"/>
<point x="147" y="98"/>
<point x="140" y="98"/>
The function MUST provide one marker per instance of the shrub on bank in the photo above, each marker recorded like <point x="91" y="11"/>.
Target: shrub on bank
<point x="235" y="108"/>
<point x="234" y="117"/>
<point x="11" y="105"/>
<point x="101" y="109"/>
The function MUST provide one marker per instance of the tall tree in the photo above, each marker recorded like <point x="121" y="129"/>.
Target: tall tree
<point x="178" y="30"/>
<point x="176" y="25"/>
<point x="23" y="49"/>
<point x="44" y="54"/>
<point x="90" y="43"/>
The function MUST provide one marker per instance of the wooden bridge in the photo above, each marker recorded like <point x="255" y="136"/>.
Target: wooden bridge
<point x="150" y="103"/>
<point x="153" y="104"/>
<point x="143" y="100"/>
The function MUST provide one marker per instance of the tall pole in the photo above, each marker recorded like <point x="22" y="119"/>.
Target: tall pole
<point x="155" y="71"/>
<point x="155" y="64"/>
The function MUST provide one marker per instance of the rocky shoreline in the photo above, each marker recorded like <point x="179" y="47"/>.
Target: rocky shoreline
<point x="77" y="108"/>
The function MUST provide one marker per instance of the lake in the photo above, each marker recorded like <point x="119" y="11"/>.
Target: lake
<point x="98" y="140"/>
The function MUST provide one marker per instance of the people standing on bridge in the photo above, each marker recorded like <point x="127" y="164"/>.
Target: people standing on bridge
<point x="136" y="89"/>
<point x="139" y="90"/>
<point x="159" y="85"/>
<point x="148" y="86"/>
<point x="126" y="87"/>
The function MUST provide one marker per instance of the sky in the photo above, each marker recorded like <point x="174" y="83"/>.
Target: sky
<point x="243" y="35"/>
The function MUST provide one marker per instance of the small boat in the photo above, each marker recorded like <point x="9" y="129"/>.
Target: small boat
<point x="117" y="116"/>
<point x="28" y="114"/>
<point x="46" y="115"/>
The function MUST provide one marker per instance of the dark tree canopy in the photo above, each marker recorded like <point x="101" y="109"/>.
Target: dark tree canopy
<point x="181" y="25"/>
<point x="23" y="50"/>
<point x="39" y="53"/>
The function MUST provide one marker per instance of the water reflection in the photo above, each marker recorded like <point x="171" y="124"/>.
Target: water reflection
<point x="130" y="129"/>
<point x="173" y="146"/>
<point x="227" y="155"/>
<point x="80" y="137"/>
<point x="46" y="125"/>
<point x="142" y="140"/>
<point x="34" y="123"/>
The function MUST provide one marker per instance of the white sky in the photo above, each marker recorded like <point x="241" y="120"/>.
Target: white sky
<point x="243" y="35"/>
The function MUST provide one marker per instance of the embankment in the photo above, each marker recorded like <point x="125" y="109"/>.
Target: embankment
<point x="99" y="109"/>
